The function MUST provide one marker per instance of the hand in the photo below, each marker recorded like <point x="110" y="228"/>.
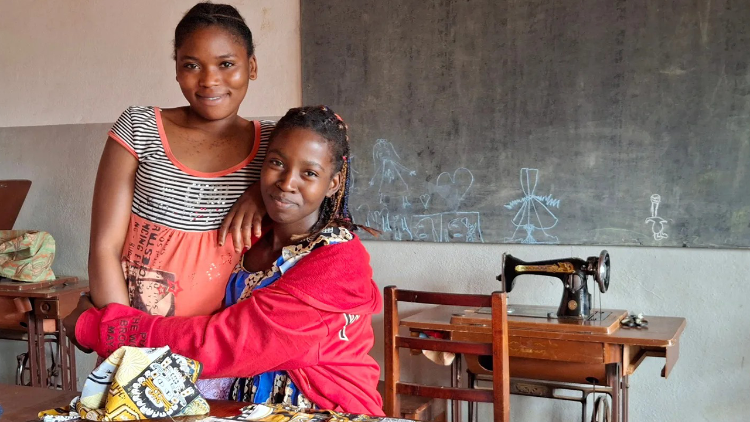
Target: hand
<point x="70" y="321"/>
<point x="244" y="219"/>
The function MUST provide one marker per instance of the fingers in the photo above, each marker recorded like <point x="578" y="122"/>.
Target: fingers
<point x="225" y="225"/>
<point x="248" y="231"/>
<point x="257" y="221"/>
<point x="236" y="231"/>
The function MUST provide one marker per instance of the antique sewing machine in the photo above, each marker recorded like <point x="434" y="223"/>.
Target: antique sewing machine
<point x="573" y="272"/>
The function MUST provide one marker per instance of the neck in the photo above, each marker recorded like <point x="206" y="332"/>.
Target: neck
<point x="291" y="233"/>
<point x="192" y="119"/>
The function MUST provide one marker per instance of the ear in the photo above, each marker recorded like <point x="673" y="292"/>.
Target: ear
<point x="253" y="68"/>
<point x="335" y="185"/>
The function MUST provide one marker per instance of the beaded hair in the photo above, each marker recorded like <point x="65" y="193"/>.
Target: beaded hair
<point x="331" y="127"/>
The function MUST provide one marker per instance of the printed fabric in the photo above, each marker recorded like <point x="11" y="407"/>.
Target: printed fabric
<point x="136" y="383"/>
<point x="26" y="255"/>
<point x="285" y="413"/>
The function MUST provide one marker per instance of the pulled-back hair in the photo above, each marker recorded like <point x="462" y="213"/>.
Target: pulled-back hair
<point x="206" y="14"/>
<point x="331" y="127"/>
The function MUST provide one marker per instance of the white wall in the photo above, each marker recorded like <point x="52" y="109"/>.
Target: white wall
<point x="84" y="62"/>
<point x="64" y="62"/>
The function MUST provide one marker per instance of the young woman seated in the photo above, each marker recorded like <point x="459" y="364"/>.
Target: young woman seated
<point x="298" y="330"/>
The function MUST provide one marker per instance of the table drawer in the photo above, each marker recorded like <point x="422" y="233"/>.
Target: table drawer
<point x="557" y="350"/>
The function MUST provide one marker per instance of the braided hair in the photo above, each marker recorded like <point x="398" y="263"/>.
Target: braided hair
<point x="331" y="127"/>
<point x="206" y="14"/>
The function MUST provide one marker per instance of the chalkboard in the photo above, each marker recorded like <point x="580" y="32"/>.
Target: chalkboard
<point x="540" y="121"/>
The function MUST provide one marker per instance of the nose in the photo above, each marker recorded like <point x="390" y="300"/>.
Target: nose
<point x="287" y="182"/>
<point x="209" y="77"/>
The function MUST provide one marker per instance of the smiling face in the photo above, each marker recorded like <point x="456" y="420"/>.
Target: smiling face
<point x="297" y="175"/>
<point x="213" y="70"/>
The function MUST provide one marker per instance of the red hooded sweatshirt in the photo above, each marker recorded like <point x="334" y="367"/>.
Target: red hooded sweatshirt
<point x="314" y="323"/>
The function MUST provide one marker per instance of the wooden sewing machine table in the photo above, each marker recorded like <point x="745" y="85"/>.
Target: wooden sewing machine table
<point x="22" y="404"/>
<point x="32" y="312"/>
<point x="599" y="352"/>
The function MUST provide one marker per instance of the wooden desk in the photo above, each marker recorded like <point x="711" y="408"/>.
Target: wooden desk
<point x="566" y="355"/>
<point x="22" y="404"/>
<point x="47" y="304"/>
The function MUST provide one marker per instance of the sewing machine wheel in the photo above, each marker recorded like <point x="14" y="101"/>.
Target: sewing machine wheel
<point x="602" y="272"/>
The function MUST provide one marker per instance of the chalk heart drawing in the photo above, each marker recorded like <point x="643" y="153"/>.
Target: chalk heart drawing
<point x="453" y="187"/>
<point x="425" y="199"/>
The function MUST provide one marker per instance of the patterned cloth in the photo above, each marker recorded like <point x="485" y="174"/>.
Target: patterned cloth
<point x="274" y="387"/>
<point x="283" y="413"/>
<point x="136" y="383"/>
<point x="26" y="255"/>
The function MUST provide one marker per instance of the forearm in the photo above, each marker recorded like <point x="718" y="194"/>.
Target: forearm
<point x="243" y="340"/>
<point x="106" y="278"/>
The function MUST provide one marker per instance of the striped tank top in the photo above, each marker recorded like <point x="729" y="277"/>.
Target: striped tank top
<point x="171" y="258"/>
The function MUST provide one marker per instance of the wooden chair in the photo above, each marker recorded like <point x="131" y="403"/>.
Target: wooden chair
<point x="12" y="195"/>
<point x="499" y="396"/>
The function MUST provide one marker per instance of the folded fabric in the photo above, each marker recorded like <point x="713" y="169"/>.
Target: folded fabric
<point x="26" y="255"/>
<point x="441" y="358"/>
<point x="136" y="383"/>
<point x="287" y="413"/>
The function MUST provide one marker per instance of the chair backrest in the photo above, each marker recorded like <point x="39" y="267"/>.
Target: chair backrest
<point x="499" y="396"/>
<point x="12" y="195"/>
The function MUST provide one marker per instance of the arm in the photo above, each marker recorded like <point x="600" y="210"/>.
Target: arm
<point x="110" y="215"/>
<point x="243" y="221"/>
<point x="270" y="330"/>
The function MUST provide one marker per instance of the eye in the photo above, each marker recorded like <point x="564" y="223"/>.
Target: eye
<point x="227" y="64"/>
<point x="190" y="66"/>
<point x="310" y="173"/>
<point x="275" y="162"/>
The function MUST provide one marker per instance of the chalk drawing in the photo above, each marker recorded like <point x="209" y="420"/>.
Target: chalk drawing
<point x="392" y="226"/>
<point x="534" y="214"/>
<point x="427" y="228"/>
<point x="657" y="223"/>
<point x="397" y="220"/>
<point x="452" y="187"/>
<point x="425" y="199"/>
<point x="461" y="227"/>
<point x="389" y="173"/>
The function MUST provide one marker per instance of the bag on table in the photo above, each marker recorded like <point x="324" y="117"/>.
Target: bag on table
<point x="26" y="255"/>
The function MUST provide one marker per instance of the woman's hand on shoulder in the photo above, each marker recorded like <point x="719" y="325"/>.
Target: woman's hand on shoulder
<point x="243" y="222"/>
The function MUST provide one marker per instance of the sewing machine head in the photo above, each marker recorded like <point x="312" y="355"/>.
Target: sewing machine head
<point x="573" y="272"/>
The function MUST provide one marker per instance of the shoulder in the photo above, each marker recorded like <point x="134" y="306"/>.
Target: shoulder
<point x="336" y="249"/>
<point x="266" y="127"/>
<point x="139" y="112"/>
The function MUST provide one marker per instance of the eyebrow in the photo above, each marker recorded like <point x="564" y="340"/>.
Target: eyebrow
<point x="223" y="56"/>
<point x="307" y="163"/>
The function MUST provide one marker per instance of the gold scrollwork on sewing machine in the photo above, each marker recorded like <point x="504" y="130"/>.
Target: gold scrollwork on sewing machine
<point x="560" y="267"/>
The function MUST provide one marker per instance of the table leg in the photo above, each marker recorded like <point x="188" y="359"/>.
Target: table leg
<point x="33" y="370"/>
<point x="625" y="388"/>
<point x="73" y="374"/>
<point x="41" y="356"/>
<point x="64" y="349"/>
<point x="456" y="382"/>
<point x="614" y="381"/>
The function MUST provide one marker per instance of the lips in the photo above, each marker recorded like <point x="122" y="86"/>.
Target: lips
<point x="211" y="98"/>
<point x="282" y="202"/>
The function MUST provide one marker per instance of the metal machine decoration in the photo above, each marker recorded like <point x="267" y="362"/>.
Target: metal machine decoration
<point x="573" y="272"/>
